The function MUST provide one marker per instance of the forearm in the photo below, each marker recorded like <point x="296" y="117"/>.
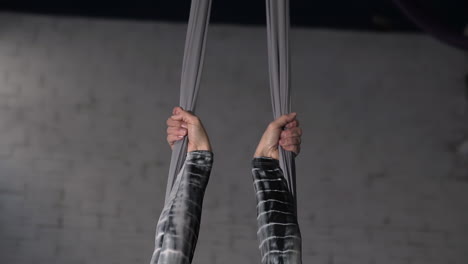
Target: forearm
<point x="179" y="223"/>
<point x="278" y="231"/>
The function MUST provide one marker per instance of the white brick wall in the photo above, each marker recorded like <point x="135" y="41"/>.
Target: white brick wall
<point x="83" y="158"/>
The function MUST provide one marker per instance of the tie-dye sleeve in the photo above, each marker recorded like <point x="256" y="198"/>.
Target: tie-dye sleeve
<point x="179" y="223"/>
<point x="278" y="230"/>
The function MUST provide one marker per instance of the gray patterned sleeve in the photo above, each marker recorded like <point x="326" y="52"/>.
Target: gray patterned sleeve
<point x="278" y="230"/>
<point x="179" y="223"/>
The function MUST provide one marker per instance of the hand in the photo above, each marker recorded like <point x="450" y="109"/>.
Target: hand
<point x="183" y="123"/>
<point x="289" y="139"/>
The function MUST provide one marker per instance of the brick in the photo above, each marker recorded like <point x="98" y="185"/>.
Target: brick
<point x="388" y="237"/>
<point x="420" y="238"/>
<point x="51" y="166"/>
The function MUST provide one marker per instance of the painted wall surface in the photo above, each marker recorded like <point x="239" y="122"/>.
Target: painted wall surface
<point x="83" y="157"/>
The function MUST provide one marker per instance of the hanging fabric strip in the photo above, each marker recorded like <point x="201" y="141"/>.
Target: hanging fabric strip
<point x="279" y="70"/>
<point x="192" y="66"/>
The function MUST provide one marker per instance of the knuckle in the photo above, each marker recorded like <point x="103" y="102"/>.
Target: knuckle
<point x="195" y="119"/>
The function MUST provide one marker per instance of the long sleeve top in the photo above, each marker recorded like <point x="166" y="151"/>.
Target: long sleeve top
<point x="278" y="230"/>
<point x="179" y="223"/>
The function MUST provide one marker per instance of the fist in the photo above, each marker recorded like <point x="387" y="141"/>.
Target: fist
<point x="274" y="136"/>
<point x="183" y="123"/>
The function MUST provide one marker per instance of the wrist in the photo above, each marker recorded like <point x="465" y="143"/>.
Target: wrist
<point x="200" y="148"/>
<point x="259" y="154"/>
<point x="264" y="154"/>
<point x="205" y="148"/>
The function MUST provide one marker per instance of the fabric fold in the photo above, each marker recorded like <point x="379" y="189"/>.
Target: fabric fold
<point x="278" y="25"/>
<point x="192" y="67"/>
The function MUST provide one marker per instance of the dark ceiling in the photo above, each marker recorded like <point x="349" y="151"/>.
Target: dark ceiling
<point x="381" y="15"/>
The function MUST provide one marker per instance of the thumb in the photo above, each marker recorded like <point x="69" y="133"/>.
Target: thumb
<point x="284" y="120"/>
<point x="177" y="110"/>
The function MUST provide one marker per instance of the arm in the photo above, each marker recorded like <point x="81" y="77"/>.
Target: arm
<point x="179" y="223"/>
<point x="278" y="231"/>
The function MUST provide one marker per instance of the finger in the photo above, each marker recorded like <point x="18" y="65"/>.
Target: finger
<point x="293" y="132"/>
<point x="177" y="110"/>
<point x="294" y="123"/>
<point x="171" y="139"/>
<point x="290" y="148"/>
<point x="283" y="120"/>
<point x="174" y="123"/>
<point x="293" y="148"/>
<point x="186" y="117"/>
<point x="176" y="131"/>
<point x="290" y="141"/>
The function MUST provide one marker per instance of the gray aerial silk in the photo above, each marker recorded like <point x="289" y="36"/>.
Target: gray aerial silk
<point x="279" y="70"/>
<point x="278" y="61"/>
<point x="192" y="66"/>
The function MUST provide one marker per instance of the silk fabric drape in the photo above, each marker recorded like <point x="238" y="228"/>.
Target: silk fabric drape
<point x="192" y="66"/>
<point x="279" y="70"/>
